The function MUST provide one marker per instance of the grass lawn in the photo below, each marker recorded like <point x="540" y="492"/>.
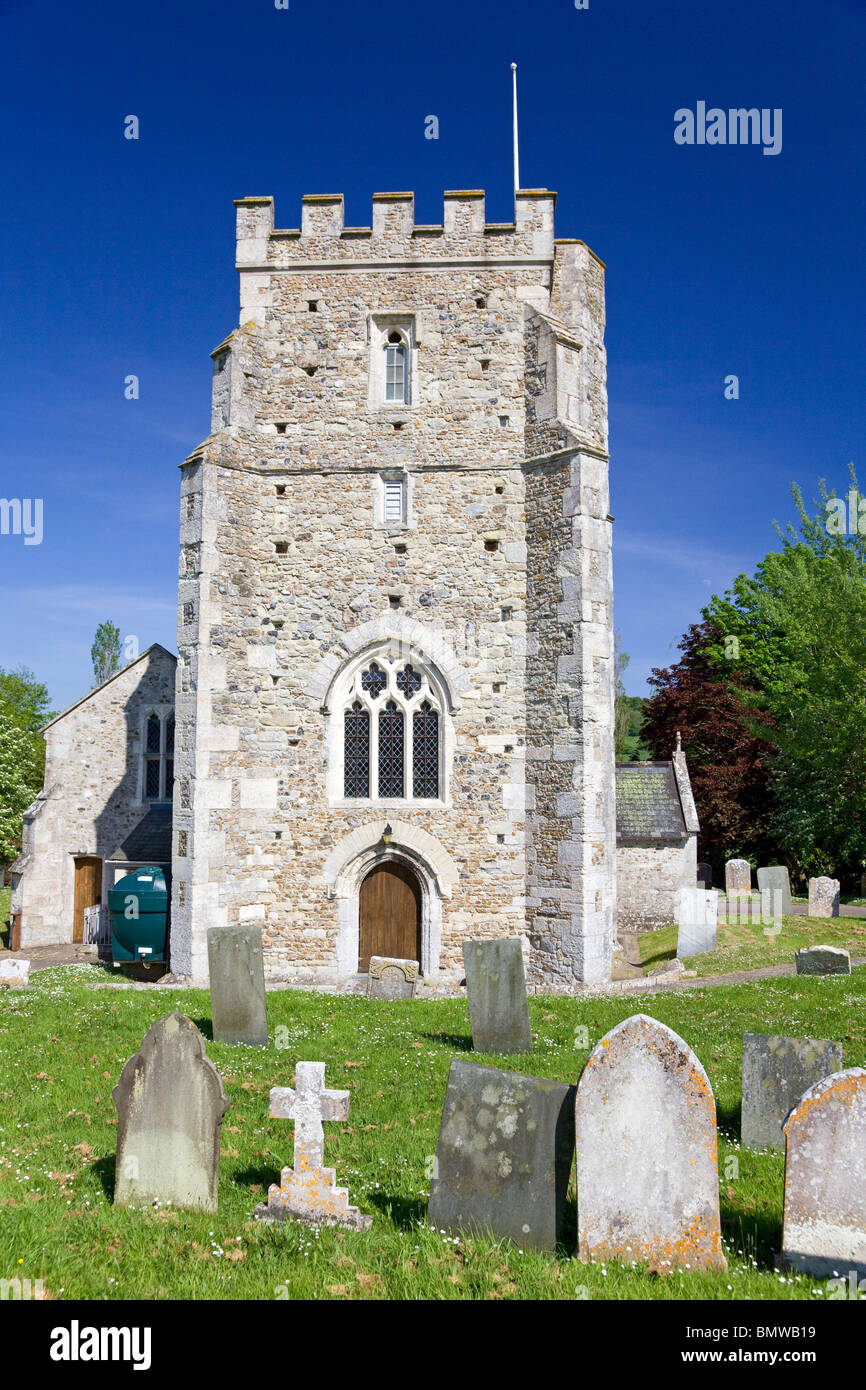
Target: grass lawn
<point x="746" y="946"/>
<point x="62" y="1047"/>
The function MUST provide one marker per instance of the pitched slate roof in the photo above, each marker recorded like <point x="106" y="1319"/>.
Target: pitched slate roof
<point x="648" y="805"/>
<point x="150" y="841"/>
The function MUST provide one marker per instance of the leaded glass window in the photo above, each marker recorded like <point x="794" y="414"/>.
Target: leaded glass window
<point x="395" y="370"/>
<point x="153" y="734"/>
<point x="391" y="750"/>
<point x="158" y="757"/>
<point x="151" y="787"/>
<point x="374" y="680"/>
<point x="357" y="752"/>
<point x="425" y="752"/>
<point x="409" y="681"/>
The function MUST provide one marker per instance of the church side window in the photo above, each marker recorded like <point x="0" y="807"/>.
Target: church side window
<point x="158" y="771"/>
<point x="392" y="732"/>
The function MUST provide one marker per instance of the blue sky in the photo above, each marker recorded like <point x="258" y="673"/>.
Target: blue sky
<point x="117" y="258"/>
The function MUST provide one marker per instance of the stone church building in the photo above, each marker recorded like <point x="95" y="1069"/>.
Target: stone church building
<point x="391" y="723"/>
<point x="395" y="683"/>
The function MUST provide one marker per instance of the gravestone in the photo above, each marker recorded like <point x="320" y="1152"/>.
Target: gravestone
<point x="14" y="973"/>
<point x="496" y="989"/>
<point x="776" y="1072"/>
<point x="392" y="978"/>
<point x="697" y="921"/>
<point x="824" y="1226"/>
<point x="308" y="1191"/>
<point x="738" y="876"/>
<point x="705" y="874"/>
<point x="823" y="897"/>
<point x="775" y="882"/>
<point x="822" y="960"/>
<point x="237" y="985"/>
<point x="647" y="1166"/>
<point x="504" y="1155"/>
<point x="170" y="1105"/>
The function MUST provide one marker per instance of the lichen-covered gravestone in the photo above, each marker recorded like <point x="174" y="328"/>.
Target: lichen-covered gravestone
<point x="14" y="973"/>
<point x="823" y="897"/>
<point x="392" y="978"/>
<point x="504" y="1156"/>
<point x="822" y="960"/>
<point x="775" y="882"/>
<point x="496" y="989"/>
<point x="738" y="876"/>
<point x="308" y="1191"/>
<point x="647" y="1152"/>
<point x="170" y="1105"/>
<point x="824" y="1229"/>
<point x="237" y="985"/>
<point x="776" y="1072"/>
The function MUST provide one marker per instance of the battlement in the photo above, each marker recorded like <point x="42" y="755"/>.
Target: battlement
<point x="464" y="235"/>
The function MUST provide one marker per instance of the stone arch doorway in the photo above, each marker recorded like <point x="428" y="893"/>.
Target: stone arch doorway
<point x="390" y="902"/>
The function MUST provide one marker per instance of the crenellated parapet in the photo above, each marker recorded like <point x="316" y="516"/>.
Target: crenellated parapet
<point x="464" y="235"/>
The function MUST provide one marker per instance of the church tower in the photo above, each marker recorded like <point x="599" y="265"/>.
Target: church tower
<point x="395" y="684"/>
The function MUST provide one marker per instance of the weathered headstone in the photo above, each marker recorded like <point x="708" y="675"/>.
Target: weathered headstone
<point x="14" y="973"/>
<point x="823" y="897"/>
<point x="308" y="1191"/>
<point x="774" y="880"/>
<point x="738" y="876"/>
<point x="237" y="985"/>
<point x="647" y="1152"/>
<point x="776" y="1072"/>
<point x="170" y="1105"/>
<point x="823" y="960"/>
<point x="824" y="1228"/>
<point x="697" y="921"/>
<point x="504" y="1156"/>
<point x="392" y="978"/>
<point x="496" y="989"/>
<point x="705" y="874"/>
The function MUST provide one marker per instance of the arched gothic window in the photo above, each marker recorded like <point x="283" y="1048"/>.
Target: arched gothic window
<point x="392" y="731"/>
<point x="158" y="757"/>
<point x="396" y="374"/>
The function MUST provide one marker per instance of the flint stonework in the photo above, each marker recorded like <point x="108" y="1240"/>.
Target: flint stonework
<point x="824" y="1228"/>
<point x="647" y="1153"/>
<point x="496" y="990"/>
<point x="776" y="1073"/>
<point x="823" y="960"/>
<point x="237" y="985"/>
<point x="504" y="1155"/>
<point x="823" y="897"/>
<point x="170" y="1104"/>
<point x="776" y="881"/>
<point x="392" y="978"/>
<point x="738" y="876"/>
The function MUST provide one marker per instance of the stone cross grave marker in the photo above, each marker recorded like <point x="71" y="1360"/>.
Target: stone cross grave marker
<point x="647" y="1152"/>
<point x="237" y="985"/>
<point x="496" y="990"/>
<point x="392" y="978"/>
<point x="504" y="1155"/>
<point x="170" y="1104"/>
<point x="824" y="1227"/>
<point x="774" y="886"/>
<point x="823" y="897"/>
<point x="822" y="960"/>
<point x="776" y="1072"/>
<point x="738" y="876"/>
<point x="308" y="1192"/>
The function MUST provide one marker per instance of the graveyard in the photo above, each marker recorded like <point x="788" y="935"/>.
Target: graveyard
<point x="385" y="1063"/>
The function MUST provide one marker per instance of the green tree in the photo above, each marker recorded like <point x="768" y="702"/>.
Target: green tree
<point x="622" y="712"/>
<point x="18" y="787"/>
<point x="26" y="702"/>
<point x="105" y="652"/>
<point x="796" y="632"/>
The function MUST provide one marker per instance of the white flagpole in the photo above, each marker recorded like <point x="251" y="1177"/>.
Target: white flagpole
<point x="516" y="154"/>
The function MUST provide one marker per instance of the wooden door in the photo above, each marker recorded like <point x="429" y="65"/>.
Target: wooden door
<point x="390" y="909"/>
<point x="88" y="892"/>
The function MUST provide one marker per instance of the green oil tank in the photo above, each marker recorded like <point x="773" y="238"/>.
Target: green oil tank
<point x="138" y="911"/>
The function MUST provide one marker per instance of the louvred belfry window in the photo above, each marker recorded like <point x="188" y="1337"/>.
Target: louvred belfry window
<point x="392" y="732"/>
